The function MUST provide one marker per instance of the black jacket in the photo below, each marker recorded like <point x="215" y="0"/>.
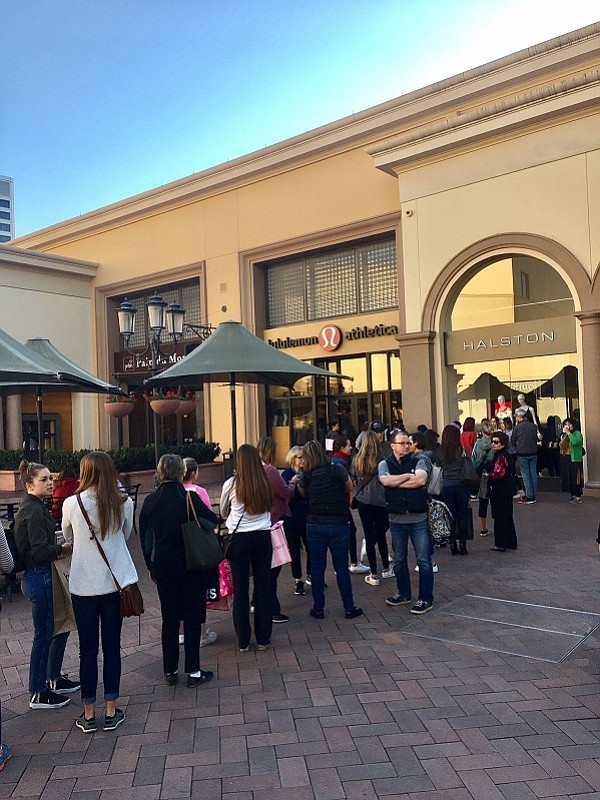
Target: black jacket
<point x="405" y="501"/>
<point x="162" y="515"/>
<point x="35" y="533"/>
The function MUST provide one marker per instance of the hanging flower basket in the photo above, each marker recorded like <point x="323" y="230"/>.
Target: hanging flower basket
<point x="163" y="401"/>
<point x="186" y="407"/>
<point x="119" y="406"/>
<point x="118" y="409"/>
<point x="164" y="406"/>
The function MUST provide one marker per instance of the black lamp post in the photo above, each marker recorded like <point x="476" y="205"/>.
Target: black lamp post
<point x="161" y="317"/>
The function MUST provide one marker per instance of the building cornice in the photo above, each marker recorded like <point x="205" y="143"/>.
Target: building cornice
<point x="537" y="63"/>
<point x="24" y="259"/>
<point x="552" y="100"/>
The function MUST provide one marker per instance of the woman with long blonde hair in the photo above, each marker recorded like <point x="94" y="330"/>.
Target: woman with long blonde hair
<point x="96" y="602"/>
<point x="372" y="505"/>
<point x="246" y="503"/>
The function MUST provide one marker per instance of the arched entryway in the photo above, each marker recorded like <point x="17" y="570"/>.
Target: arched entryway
<point x="579" y="303"/>
<point x="510" y="339"/>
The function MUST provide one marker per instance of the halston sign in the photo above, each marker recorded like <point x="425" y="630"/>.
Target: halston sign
<point x="538" y="337"/>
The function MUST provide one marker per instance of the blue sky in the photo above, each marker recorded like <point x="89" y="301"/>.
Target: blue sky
<point x="102" y="99"/>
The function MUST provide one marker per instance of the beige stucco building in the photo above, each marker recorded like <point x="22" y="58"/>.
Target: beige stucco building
<point x="448" y="240"/>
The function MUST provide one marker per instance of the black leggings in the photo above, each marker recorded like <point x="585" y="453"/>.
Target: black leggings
<point x="295" y="530"/>
<point x="375" y="525"/>
<point x="575" y="478"/>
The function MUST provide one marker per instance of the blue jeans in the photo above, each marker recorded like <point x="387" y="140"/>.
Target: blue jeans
<point x="93" y="613"/>
<point x="47" y="650"/>
<point x="418" y="533"/>
<point x="529" y="474"/>
<point x="335" y="538"/>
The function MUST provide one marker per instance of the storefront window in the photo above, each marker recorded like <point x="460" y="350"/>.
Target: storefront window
<point x="357" y="368"/>
<point x="511" y="331"/>
<point x="380" y="379"/>
<point x="300" y="415"/>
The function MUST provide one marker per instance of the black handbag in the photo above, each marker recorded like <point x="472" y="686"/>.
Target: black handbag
<point x="469" y="477"/>
<point x="204" y="549"/>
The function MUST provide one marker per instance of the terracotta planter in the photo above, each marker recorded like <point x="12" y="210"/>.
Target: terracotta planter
<point x="10" y="481"/>
<point x="186" y="407"/>
<point x="118" y="409"/>
<point x="164" y="407"/>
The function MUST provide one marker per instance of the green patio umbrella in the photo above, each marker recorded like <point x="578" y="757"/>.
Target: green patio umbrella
<point x="233" y="355"/>
<point x="38" y="366"/>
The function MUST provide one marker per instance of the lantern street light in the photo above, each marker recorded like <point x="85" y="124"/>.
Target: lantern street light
<point x="160" y="318"/>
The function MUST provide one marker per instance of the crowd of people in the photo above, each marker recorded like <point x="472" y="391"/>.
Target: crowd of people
<point x="389" y="480"/>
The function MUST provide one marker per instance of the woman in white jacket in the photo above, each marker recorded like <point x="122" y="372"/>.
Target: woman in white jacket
<point x="96" y="602"/>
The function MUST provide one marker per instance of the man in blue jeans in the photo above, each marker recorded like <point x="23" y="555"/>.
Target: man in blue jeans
<point x="525" y="443"/>
<point x="404" y="478"/>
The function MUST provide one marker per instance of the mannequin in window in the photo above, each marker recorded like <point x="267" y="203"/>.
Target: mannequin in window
<point x="523" y="404"/>
<point x="503" y="408"/>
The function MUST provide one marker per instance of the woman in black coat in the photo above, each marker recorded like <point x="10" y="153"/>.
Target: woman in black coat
<point x="182" y="592"/>
<point x="502" y="485"/>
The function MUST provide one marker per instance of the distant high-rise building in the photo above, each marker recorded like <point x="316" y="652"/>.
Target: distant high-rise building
<point x="7" y="209"/>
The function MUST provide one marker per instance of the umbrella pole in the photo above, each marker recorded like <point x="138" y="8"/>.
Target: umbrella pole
<point x="40" y="424"/>
<point x="233" y="412"/>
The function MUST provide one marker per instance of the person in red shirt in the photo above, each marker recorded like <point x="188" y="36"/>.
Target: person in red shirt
<point x="65" y="486"/>
<point x="468" y="436"/>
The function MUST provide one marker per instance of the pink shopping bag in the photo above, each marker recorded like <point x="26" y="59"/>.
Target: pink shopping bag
<point x="281" y="551"/>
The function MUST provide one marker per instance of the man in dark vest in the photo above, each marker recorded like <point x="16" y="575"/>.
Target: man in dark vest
<point x="404" y="478"/>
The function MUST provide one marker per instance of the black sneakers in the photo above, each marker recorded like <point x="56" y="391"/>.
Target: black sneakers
<point x="299" y="588"/>
<point x="421" y="607"/>
<point x="352" y="613"/>
<point x="63" y="685"/>
<point x="193" y="681"/>
<point x="398" y="600"/>
<point x="48" y="699"/>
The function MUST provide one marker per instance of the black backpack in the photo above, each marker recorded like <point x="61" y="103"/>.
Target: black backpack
<point x="12" y="546"/>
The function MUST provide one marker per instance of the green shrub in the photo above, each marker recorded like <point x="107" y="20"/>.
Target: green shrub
<point x="57" y="460"/>
<point x="10" y="459"/>
<point x="127" y="459"/>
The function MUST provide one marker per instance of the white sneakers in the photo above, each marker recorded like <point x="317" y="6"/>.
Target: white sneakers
<point x="388" y="573"/>
<point x="372" y="580"/>
<point x="359" y="568"/>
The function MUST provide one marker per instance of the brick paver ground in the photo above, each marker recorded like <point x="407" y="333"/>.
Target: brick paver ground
<point x="339" y="710"/>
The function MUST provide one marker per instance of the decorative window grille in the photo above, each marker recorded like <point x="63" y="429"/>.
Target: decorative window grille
<point x="349" y="280"/>
<point x="186" y="294"/>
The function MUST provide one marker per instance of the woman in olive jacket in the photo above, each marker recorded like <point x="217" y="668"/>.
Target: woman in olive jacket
<point x="35" y="537"/>
<point x="182" y="592"/>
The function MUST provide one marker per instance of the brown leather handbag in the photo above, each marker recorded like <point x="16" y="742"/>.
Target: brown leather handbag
<point x="132" y="602"/>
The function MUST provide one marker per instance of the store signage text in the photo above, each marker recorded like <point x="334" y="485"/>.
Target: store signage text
<point x="533" y="338"/>
<point x="135" y="363"/>
<point x="328" y="336"/>
<point x="507" y="341"/>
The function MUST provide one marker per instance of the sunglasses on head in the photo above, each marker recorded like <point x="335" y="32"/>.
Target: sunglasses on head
<point x="496" y="441"/>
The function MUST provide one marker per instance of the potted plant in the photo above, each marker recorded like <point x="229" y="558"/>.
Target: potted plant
<point x="163" y="401"/>
<point x="187" y="402"/>
<point x="119" y="405"/>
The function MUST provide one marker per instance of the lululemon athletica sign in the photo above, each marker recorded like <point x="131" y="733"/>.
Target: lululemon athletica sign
<point x="330" y="337"/>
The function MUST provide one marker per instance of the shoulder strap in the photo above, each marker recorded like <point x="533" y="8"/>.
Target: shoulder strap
<point x="95" y="538"/>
